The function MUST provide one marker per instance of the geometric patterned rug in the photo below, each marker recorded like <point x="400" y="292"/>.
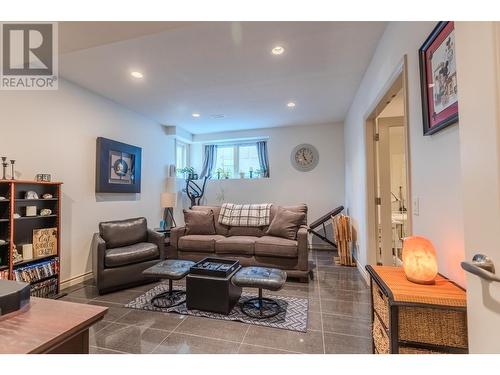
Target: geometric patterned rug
<point x="293" y="316"/>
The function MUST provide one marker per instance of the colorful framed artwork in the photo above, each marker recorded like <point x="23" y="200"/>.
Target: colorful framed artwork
<point x="118" y="167"/>
<point x="438" y="79"/>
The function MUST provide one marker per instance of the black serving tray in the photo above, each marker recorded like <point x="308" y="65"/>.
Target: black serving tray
<point x="215" y="267"/>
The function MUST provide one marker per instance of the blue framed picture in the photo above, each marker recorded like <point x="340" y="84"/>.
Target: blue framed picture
<point x="118" y="167"/>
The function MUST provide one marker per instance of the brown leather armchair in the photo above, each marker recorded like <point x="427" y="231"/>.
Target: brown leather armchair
<point x="122" y="250"/>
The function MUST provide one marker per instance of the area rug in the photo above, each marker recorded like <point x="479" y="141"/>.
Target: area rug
<point x="293" y="317"/>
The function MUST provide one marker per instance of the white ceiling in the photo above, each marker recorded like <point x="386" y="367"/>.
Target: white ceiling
<point x="225" y="68"/>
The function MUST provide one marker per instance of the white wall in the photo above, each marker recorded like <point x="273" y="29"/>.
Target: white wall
<point x="55" y="132"/>
<point x="322" y="188"/>
<point x="435" y="160"/>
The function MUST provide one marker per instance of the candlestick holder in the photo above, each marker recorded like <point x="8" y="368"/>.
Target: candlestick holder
<point x="12" y="164"/>
<point x="4" y="165"/>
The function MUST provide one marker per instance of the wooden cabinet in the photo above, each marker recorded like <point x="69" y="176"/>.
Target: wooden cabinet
<point x="18" y="226"/>
<point x="411" y="318"/>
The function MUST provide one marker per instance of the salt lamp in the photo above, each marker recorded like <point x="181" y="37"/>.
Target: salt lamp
<point x="419" y="260"/>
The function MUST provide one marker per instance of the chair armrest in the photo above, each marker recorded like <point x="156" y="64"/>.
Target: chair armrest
<point x="303" y="247"/>
<point x="98" y="253"/>
<point x="159" y="240"/>
<point x="175" y="234"/>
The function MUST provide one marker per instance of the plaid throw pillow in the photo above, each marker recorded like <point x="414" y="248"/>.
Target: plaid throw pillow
<point x="245" y="215"/>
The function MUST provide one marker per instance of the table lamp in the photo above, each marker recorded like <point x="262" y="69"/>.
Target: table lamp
<point x="168" y="202"/>
<point x="419" y="260"/>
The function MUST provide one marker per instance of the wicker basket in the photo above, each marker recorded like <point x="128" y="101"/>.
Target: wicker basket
<point x="433" y="326"/>
<point x="380" y="337"/>
<point x="380" y="304"/>
<point x="410" y="350"/>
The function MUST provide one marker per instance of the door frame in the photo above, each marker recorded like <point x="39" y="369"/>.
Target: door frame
<point x="397" y="81"/>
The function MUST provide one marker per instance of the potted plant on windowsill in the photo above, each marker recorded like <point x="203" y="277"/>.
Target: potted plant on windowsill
<point x="189" y="173"/>
<point x="220" y="173"/>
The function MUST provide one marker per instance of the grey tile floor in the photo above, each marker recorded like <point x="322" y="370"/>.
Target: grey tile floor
<point x="339" y="320"/>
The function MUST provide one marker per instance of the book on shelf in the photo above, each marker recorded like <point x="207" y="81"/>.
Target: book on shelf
<point x="4" y="275"/>
<point x="35" y="272"/>
<point x="47" y="288"/>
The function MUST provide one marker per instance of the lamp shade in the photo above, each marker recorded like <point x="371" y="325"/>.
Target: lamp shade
<point x="168" y="200"/>
<point x="419" y="260"/>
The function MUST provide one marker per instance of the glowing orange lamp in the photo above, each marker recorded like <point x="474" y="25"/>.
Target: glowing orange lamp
<point x="419" y="260"/>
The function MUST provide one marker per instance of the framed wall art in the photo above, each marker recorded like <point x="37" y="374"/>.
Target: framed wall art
<point x="438" y="79"/>
<point x="118" y="167"/>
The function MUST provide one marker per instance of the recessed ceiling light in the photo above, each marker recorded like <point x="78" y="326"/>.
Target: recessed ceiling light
<point x="278" y="50"/>
<point x="136" y="74"/>
<point x="290" y="104"/>
<point x="196" y="114"/>
<point x="218" y="116"/>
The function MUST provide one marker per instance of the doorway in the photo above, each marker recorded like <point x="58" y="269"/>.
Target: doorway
<point x="388" y="173"/>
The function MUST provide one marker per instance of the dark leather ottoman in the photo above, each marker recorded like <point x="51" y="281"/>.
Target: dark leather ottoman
<point x="171" y="269"/>
<point x="261" y="278"/>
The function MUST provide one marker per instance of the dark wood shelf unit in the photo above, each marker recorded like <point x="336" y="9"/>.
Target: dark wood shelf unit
<point x="20" y="231"/>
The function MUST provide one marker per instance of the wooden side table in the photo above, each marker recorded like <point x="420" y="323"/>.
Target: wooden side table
<point x="165" y="232"/>
<point x="411" y="318"/>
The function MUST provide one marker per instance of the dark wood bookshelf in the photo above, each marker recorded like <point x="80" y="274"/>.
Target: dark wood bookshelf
<point x="19" y="231"/>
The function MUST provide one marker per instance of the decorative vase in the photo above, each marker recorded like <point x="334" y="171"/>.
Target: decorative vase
<point x="12" y="164"/>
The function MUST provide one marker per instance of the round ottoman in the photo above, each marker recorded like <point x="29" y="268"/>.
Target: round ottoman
<point x="171" y="269"/>
<point x="262" y="278"/>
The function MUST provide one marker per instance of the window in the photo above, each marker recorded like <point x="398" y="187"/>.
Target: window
<point x="181" y="155"/>
<point x="237" y="161"/>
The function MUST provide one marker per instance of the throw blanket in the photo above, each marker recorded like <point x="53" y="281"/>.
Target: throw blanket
<point x="245" y="215"/>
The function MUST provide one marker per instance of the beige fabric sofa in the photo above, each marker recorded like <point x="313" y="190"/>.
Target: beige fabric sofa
<point x="250" y="245"/>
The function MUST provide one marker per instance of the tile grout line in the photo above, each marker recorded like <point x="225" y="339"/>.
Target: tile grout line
<point x="166" y="337"/>
<point x="243" y="339"/>
<point x="320" y="308"/>
<point x="270" y="347"/>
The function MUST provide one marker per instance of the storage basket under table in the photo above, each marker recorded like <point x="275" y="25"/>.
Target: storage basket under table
<point x="410" y="318"/>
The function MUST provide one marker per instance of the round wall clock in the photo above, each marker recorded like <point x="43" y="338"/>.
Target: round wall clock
<point x="304" y="157"/>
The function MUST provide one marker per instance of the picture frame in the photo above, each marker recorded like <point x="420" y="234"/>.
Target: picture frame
<point x="43" y="177"/>
<point x="118" y="167"/>
<point x="44" y="242"/>
<point x="438" y="79"/>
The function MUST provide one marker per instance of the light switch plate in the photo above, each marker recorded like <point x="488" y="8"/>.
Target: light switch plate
<point x="416" y="206"/>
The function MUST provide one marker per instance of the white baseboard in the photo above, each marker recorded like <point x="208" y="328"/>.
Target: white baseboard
<point x="363" y="272"/>
<point x="76" y="280"/>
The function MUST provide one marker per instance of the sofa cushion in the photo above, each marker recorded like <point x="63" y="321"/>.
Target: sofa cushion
<point x="136" y="253"/>
<point x="199" y="243"/>
<point x="124" y="232"/>
<point x="297" y="208"/>
<point x="236" y="245"/>
<point x="199" y="222"/>
<point x="276" y="247"/>
<point x="219" y="228"/>
<point x="247" y="231"/>
<point x="286" y="224"/>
